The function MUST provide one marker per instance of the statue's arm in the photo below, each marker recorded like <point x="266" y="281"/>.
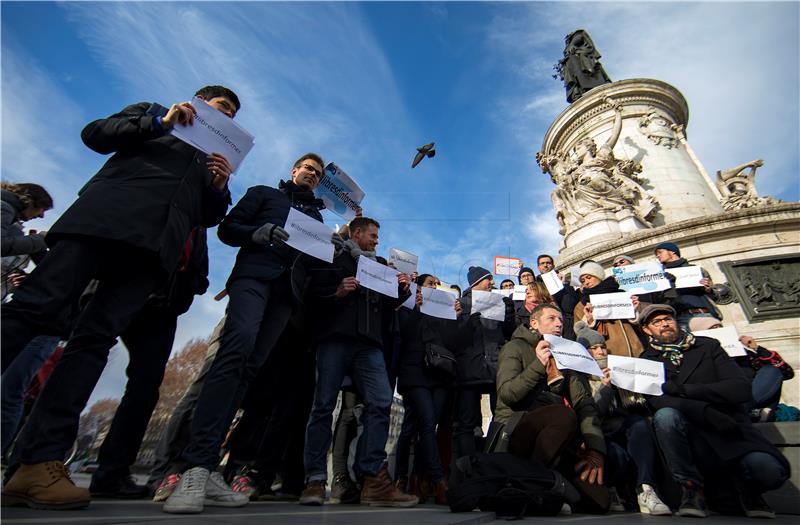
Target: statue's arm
<point x="617" y="129"/>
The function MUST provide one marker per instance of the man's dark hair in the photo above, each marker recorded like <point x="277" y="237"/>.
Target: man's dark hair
<point x="210" y="92"/>
<point x="537" y="311"/>
<point x="30" y="195"/>
<point x="504" y="281"/>
<point x="313" y="156"/>
<point x="456" y="288"/>
<point x="362" y="222"/>
<point x="421" y="278"/>
<point x="542" y="256"/>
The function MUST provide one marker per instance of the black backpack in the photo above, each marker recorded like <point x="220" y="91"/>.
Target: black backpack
<point x="508" y="485"/>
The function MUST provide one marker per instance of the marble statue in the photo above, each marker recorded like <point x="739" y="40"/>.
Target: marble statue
<point x="738" y="189"/>
<point x="658" y="129"/>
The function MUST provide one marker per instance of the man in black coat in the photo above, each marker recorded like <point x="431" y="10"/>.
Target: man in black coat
<point x="127" y="229"/>
<point x="701" y="422"/>
<point x="348" y="336"/>
<point x="566" y="299"/>
<point x="259" y="307"/>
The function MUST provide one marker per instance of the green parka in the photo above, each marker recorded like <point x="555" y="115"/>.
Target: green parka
<point x="522" y="386"/>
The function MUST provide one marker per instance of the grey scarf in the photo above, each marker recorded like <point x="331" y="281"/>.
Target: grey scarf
<point x="356" y="251"/>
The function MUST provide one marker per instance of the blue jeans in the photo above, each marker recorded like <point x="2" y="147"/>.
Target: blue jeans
<point x="368" y="370"/>
<point x="759" y="471"/>
<point x="426" y="407"/>
<point x="683" y="320"/>
<point x="636" y="436"/>
<point x="15" y="382"/>
<point x="766" y="387"/>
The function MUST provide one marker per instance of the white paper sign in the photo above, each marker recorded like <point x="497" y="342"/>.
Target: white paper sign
<point x="519" y="292"/>
<point x="376" y="276"/>
<point x="214" y="132"/>
<point x="504" y="292"/>
<point x="553" y="282"/>
<point x="641" y="278"/>
<point x="404" y="262"/>
<point x="309" y="235"/>
<point x="612" y="306"/>
<point x="411" y="302"/>
<point x="507" y="265"/>
<point x="575" y="276"/>
<point x="340" y="193"/>
<point x="572" y="356"/>
<point x="490" y="305"/>
<point x="637" y="375"/>
<point x="438" y="303"/>
<point x="727" y="337"/>
<point x="686" y="276"/>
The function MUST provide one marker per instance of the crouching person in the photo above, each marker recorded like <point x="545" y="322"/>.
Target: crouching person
<point x="537" y="420"/>
<point x="701" y="422"/>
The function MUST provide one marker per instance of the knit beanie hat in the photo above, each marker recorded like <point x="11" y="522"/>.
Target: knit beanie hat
<point x="592" y="268"/>
<point x="624" y="258"/>
<point x="671" y="246"/>
<point x="475" y="274"/>
<point x="586" y="336"/>
<point x="523" y="270"/>
<point x="702" y="323"/>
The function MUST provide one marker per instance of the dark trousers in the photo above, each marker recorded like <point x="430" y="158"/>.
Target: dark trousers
<point x="543" y="433"/>
<point x="426" y="407"/>
<point x="468" y="417"/>
<point x="257" y="315"/>
<point x="344" y="433"/>
<point x="402" y="450"/>
<point x="127" y="276"/>
<point x="149" y="342"/>
<point x="638" y="442"/>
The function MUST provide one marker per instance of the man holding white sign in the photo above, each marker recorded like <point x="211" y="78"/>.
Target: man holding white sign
<point x="128" y="227"/>
<point x="348" y="336"/>
<point x="565" y="298"/>
<point x="259" y="306"/>
<point x="534" y="415"/>
<point x="701" y="422"/>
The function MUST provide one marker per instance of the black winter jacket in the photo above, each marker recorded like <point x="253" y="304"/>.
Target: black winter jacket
<point x="416" y="330"/>
<point x="477" y="360"/>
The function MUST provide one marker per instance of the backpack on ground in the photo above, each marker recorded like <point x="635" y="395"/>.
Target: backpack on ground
<point x="508" y="485"/>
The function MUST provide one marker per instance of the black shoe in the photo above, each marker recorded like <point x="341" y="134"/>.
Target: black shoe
<point x="693" y="502"/>
<point x="344" y="491"/>
<point x="120" y="488"/>
<point x="755" y="506"/>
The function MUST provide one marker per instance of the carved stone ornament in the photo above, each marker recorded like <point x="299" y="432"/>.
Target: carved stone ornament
<point x="591" y="178"/>
<point x="658" y="129"/>
<point x="738" y="189"/>
<point x="767" y="287"/>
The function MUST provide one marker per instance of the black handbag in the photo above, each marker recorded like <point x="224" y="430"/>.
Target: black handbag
<point x="439" y="359"/>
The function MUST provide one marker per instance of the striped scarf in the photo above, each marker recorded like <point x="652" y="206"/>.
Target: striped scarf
<point x="673" y="351"/>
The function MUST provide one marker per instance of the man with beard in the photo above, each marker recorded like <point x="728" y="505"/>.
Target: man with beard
<point x="260" y="304"/>
<point x="701" y="422"/>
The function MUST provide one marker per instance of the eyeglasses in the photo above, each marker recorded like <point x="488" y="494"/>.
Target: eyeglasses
<point x="621" y="262"/>
<point x="661" y="321"/>
<point x="309" y="167"/>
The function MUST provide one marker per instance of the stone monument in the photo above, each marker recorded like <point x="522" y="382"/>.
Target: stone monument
<point x="626" y="179"/>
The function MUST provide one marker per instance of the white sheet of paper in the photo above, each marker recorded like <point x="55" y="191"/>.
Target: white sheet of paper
<point x="575" y="276"/>
<point x="308" y="235"/>
<point x="573" y="356"/>
<point x="519" y="292"/>
<point x="339" y="192"/>
<point x="405" y="262"/>
<point x="438" y="303"/>
<point x="504" y="293"/>
<point x="686" y="276"/>
<point x="507" y="265"/>
<point x="375" y="276"/>
<point x="412" y="299"/>
<point x="490" y="305"/>
<point x="214" y="132"/>
<point x="727" y="337"/>
<point x="641" y="278"/>
<point x="612" y="306"/>
<point x="637" y="375"/>
<point x="553" y="283"/>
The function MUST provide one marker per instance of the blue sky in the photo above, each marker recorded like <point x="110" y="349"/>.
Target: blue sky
<point x="364" y="84"/>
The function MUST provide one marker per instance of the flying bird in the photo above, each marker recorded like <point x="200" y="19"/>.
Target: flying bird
<point x="425" y="151"/>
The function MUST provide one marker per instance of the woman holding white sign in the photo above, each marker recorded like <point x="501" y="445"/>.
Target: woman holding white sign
<point x="622" y="337"/>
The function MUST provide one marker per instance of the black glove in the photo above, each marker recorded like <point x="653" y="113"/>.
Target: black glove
<point x="719" y="420"/>
<point x="270" y="233"/>
<point x="671" y="388"/>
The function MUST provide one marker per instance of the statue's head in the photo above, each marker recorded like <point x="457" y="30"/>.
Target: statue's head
<point x="584" y="146"/>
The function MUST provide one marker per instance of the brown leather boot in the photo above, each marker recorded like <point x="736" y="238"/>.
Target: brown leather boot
<point x="554" y="375"/>
<point x="379" y="491"/>
<point x="44" y="486"/>
<point x="402" y="483"/>
<point x="440" y="492"/>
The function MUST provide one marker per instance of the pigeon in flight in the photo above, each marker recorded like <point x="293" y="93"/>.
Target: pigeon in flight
<point x="425" y="151"/>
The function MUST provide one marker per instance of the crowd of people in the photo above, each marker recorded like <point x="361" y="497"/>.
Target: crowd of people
<point x="300" y="334"/>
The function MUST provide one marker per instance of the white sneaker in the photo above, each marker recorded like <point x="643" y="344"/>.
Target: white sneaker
<point x="189" y="495"/>
<point x="616" y="504"/>
<point x="650" y="503"/>
<point x="566" y="510"/>
<point x="220" y="494"/>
